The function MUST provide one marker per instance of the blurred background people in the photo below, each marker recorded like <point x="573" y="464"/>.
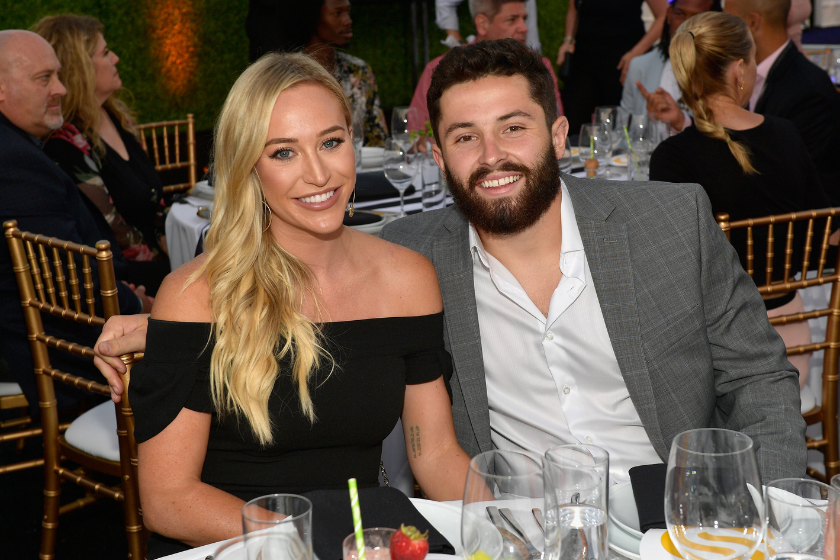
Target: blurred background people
<point x="446" y="18"/>
<point x="604" y="36"/>
<point x="97" y="148"/>
<point x="750" y="165"/>
<point x="493" y="19"/>
<point x="800" y="10"/>
<point x="320" y="28"/>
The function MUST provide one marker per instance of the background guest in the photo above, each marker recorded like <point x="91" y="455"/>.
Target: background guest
<point x="790" y="86"/>
<point x="800" y="10"/>
<point x="446" y="17"/>
<point x="750" y="165"/>
<point x="96" y="146"/>
<point x="604" y="35"/>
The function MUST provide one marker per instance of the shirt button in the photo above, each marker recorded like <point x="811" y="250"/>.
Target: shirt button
<point x="566" y="390"/>
<point x="589" y="439"/>
<point x="549" y="335"/>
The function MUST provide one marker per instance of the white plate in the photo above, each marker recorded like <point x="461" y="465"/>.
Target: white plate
<point x="619" y="161"/>
<point x="445" y="518"/>
<point x="372" y="156"/>
<point x="373" y="229"/>
<point x="623" y="509"/>
<point x="203" y="190"/>
<point x="623" y="542"/>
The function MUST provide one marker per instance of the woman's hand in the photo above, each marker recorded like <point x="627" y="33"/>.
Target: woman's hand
<point x="120" y="335"/>
<point x="566" y="47"/>
<point x="624" y="63"/>
<point x="662" y="107"/>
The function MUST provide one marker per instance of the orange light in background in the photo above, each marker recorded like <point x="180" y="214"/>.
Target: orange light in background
<point x="175" y="42"/>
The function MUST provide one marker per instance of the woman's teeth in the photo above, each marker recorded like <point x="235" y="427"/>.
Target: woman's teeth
<point x="318" y="197"/>
<point x="500" y="182"/>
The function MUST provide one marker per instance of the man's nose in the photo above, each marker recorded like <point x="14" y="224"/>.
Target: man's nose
<point x="492" y="153"/>
<point x="59" y="89"/>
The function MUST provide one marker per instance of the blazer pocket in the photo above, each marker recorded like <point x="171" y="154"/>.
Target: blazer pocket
<point x="673" y="333"/>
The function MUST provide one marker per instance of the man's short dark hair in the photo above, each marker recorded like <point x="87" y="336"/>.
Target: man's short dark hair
<point x="504" y="57"/>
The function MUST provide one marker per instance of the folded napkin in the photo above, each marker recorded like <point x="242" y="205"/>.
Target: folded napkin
<point x="332" y="519"/>
<point x="648" y="483"/>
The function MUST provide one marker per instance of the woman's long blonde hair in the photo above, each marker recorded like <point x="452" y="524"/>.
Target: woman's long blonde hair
<point x="74" y="39"/>
<point x="256" y="287"/>
<point x="702" y="51"/>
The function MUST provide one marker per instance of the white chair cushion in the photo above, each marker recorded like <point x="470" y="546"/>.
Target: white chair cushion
<point x="95" y="432"/>
<point x="7" y="389"/>
<point x="807" y="399"/>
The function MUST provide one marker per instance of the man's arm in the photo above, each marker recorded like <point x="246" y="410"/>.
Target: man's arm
<point x="757" y="388"/>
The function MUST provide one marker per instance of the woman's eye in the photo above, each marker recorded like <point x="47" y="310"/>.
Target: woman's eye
<point x="332" y="143"/>
<point x="282" y="153"/>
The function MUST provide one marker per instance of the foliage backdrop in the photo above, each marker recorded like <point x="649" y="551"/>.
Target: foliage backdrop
<point x="205" y="41"/>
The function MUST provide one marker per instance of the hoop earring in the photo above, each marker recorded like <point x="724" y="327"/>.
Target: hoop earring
<point x="266" y="208"/>
<point x="352" y="204"/>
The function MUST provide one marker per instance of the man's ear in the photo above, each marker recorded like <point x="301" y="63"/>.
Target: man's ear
<point x="754" y="22"/>
<point x="559" y="132"/>
<point x="482" y="22"/>
<point x="438" y="155"/>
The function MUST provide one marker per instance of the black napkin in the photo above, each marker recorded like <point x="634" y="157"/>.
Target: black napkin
<point x="648" y="483"/>
<point x="332" y="519"/>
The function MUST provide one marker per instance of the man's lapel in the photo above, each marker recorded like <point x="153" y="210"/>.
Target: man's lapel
<point x="607" y="250"/>
<point x="454" y="265"/>
<point x="771" y="83"/>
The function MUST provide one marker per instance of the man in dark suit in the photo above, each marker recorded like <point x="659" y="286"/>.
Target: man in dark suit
<point x="35" y="192"/>
<point x="790" y="86"/>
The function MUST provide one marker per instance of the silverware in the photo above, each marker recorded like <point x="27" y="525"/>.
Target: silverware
<point x="525" y="550"/>
<point x="493" y="512"/>
<point x="508" y="516"/>
<point x="539" y="519"/>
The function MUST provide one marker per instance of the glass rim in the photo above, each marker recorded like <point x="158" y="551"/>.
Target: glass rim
<point x="287" y="519"/>
<point x="538" y="461"/>
<point x="831" y="490"/>
<point x="737" y="435"/>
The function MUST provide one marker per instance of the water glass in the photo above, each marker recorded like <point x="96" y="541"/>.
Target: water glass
<point x="595" y="143"/>
<point x="433" y="196"/>
<point x="400" y="166"/>
<point x="233" y="549"/>
<point x="377" y="544"/>
<point x="713" y="495"/>
<point x="797" y="518"/>
<point x="278" y="527"/>
<point x="576" y="502"/>
<point x="640" y="132"/>
<point x="502" y="479"/>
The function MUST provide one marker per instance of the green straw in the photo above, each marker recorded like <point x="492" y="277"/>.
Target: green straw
<point x="632" y="151"/>
<point x="357" y="518"/>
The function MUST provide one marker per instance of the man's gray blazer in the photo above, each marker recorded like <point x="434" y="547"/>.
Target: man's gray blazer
<point x="688" y="327"/>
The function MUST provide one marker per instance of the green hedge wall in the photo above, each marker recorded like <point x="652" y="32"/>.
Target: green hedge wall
<point x="382" y="32"/>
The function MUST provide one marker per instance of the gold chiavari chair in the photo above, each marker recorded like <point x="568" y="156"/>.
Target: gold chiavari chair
<point x="56" y="277"/>
<point x="814" y="229"/>
<point x="820" y="57"/>
<point x="162" y="141"/>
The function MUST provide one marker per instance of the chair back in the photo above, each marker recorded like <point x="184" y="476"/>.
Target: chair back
<point x="162" y="141"/>
<point x="820" y="57"/>
<point x="806" y="233"/>
<point x="56" y="277"/>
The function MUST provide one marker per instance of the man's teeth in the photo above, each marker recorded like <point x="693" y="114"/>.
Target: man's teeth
<point x="318" y="197"/>
<point x="500" y="182"/>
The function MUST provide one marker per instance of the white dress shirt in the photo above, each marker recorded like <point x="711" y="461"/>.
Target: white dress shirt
<point x="554" y="380"/>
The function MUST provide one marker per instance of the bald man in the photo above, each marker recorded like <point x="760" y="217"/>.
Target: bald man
<point x="788" y="85"/>
<point x="43" y="199"/>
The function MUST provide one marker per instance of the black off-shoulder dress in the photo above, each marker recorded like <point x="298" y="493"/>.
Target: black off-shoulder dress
<point x="357" y="405"/>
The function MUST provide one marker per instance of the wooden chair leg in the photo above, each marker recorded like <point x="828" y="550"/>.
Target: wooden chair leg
<point x="52" y="502"/>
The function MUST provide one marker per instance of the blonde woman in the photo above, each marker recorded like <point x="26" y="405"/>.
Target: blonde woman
<point x="280" y="359"/>
<point x="750" y="165"/>
<point x="96" y="146"/>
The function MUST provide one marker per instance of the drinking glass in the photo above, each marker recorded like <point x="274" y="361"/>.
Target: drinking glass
<point x="595" y="142"/>
<point x="403" y="121"/>
<point x="565" y="162"/>
<point x="233" y="549"/>
<point x="400" y="166"/>
<point x="576" y="502"/>
<point x="797" y="522"/>
<point x="377" y="544"/>
<point x="614" y="119"/>
<point x="504" y="480"/>
<point x="713" y="495"/>
<point x="433" y="196"/>
<point x="640" y="132"/>
<point x="278" y="527"/>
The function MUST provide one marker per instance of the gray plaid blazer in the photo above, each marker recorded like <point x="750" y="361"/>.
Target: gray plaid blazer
<point x="688" y="327"/>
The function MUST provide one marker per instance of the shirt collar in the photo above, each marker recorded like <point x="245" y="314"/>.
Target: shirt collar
<point x="763" y="69"/>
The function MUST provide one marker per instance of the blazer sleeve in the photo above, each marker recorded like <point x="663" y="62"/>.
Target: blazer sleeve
<point x="757" y="388"/>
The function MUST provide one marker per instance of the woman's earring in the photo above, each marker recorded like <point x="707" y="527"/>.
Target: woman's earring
<point x="352" y="204"/>
<point x="268" y="211"/>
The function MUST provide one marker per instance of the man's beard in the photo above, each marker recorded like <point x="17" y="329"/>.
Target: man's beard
<point x="54" y="121"/>
<point x="509" y="215"/>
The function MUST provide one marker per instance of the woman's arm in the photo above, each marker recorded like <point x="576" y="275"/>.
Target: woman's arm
<point x="659" y="9"/>
<point x="569" y="40"/>
<point x="436" y="459"/>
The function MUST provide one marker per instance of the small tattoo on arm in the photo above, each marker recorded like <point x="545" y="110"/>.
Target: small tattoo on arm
<point x="414" y="433"/>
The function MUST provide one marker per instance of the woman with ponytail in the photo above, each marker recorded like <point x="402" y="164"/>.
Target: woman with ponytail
<point x="280" y="359"/>
<point x="750" y="165"/>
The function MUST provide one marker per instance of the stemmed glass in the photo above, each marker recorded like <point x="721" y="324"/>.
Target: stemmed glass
<point x="713" y="495"/>
<point x="614" y="118"/>
<point x="498" y="481"/>
<point x="595" y="142"/>
<point x="403" y="121"/>
<point x="640" y="133"/>
<point x="401" y="166"/>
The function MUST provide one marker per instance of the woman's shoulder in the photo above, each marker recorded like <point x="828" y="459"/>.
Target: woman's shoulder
<point x="182" y="298"/>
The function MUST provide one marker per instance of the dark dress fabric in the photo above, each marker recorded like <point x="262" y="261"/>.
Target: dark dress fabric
<point x="607" y="29"/>
<point x="786" y="182"/>
<point x="357" y="404"/>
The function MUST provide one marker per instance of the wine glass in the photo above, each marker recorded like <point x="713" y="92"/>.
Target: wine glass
<point x="565" y="162"/>
<point x="595" y="143"/>
<point x="278" y="527"/>
<point x="614" y="119"/>
<point x="640" y="134"/>
<point x="403" y="121"/>
<point x="501" y="483"/>
<point x="713" y="495"/>
<point x="796" y="518"/>
<point x="400" y="166"/>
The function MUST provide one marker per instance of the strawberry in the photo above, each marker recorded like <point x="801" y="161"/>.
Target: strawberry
<point x="409" y="544"/>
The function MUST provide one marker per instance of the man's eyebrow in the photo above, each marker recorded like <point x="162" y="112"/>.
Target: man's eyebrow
<point x="517" y="113"/>
<point x="293" y="140"/>
<point x="455" y="126"/>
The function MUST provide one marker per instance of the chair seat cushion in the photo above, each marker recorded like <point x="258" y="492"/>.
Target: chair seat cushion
<point x="7" y="389"/>
<point x="807" y="399"/>
<point x="95" y="432"/>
